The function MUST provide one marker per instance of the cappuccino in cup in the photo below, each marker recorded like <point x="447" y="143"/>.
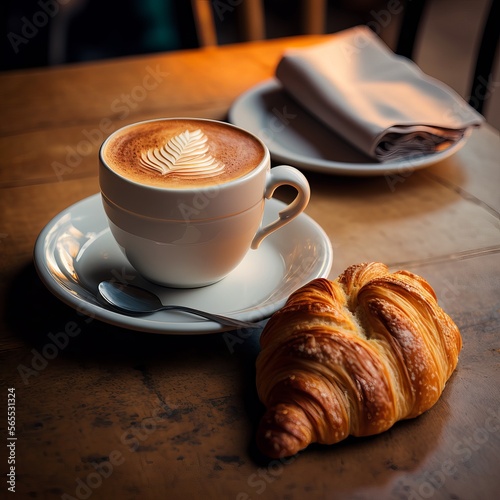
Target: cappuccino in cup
<point x="182" y="154"/>
<point x="185" y="197"/>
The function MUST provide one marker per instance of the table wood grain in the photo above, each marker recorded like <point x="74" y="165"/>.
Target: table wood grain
<point x="113" y="413"/>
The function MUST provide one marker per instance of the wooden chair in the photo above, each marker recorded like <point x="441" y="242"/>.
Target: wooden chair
<point x="252" y="19"/>
<point x="313" y="15"/>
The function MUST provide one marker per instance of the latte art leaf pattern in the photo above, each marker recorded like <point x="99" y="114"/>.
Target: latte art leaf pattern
<point x="186" y="154"/>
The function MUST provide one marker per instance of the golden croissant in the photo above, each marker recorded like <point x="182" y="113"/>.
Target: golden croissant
<point x="352" y="357"/>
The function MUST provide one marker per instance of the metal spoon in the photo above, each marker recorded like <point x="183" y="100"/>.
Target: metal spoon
<point x="134" y="300"/>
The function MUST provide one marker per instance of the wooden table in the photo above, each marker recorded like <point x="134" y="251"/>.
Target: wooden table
<point x="123" y="414"/>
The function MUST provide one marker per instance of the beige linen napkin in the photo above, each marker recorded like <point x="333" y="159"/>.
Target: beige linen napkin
<point x="380" y="102"/>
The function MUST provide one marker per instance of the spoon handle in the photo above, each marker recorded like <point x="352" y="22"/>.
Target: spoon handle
<point x="223" y="320"/>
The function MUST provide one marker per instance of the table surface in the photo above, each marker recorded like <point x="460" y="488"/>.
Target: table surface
<point x="123" y="414"/>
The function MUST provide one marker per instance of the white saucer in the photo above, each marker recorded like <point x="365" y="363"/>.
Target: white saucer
<point x="76" y="250"/>
<point x="293" y="136"/>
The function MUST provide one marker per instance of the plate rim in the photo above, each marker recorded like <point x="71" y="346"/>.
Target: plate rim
<point x="145" y="323"/>
<point x="330" y="166"/>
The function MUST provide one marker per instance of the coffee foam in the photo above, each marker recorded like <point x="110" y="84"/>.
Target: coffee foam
<point x="229" y="153"/>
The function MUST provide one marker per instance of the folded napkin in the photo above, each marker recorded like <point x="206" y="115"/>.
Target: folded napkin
<point x="380" y="102"/>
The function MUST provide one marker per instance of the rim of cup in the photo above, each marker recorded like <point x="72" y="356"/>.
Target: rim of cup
<point x="265" y="160"/>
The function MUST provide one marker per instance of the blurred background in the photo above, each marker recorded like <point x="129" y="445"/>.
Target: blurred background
<point x="40" y="33"/>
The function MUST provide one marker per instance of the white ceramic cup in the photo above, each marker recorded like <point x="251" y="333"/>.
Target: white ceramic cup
<point x="188" y="238"/>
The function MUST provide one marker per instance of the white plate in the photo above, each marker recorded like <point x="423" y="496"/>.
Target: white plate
<point x="76" y="250"/>
<point x="293" y="136"/>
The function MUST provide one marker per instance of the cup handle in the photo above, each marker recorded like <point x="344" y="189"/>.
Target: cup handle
<point x="279" y="176"/>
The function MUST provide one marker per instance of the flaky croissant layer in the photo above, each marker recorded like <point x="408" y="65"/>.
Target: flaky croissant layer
<point x="352" y="357"/>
